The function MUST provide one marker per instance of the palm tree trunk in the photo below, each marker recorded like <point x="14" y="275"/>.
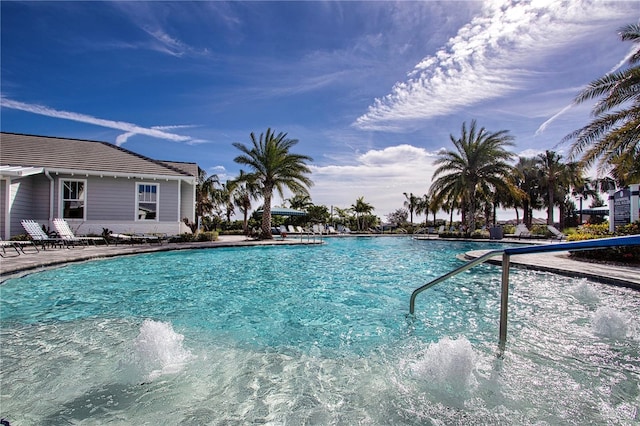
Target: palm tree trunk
<point x="266" y="215"/>
<point x="550" y="207"/>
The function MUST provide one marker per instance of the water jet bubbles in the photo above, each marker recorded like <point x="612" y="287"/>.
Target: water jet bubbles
<point x="157" y="350"/>
<point x="585" y="293"/>
<point x="610" y="323"/>
<point x="447" y="367"/>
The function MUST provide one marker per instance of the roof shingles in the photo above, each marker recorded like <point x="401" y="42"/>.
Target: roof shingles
<point x="75" y="154"/>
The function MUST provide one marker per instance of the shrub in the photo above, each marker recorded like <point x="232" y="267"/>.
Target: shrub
<point x="614" y="254"/>
<point x="207" y="236"/>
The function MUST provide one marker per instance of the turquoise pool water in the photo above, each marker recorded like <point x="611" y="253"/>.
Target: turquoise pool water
<point x="314" y="335"/>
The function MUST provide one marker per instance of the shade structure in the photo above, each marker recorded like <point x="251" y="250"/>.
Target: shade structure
<point x="281" y="211"/>
<point x="595" y="211"/>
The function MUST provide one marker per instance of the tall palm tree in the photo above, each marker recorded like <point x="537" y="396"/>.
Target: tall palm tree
<point x="361" y="208"/>
<point x="612" y="137"/>
<point x="411" y="203"/>
<point x="422" y="206"/>
<point x="205" y="189"/>
<point x="480" y="160"/>
<point x="527" y="181"/>
<point x="274" y="167"/>
<point x="552" y="177"/>
<point x="244" y="191"/>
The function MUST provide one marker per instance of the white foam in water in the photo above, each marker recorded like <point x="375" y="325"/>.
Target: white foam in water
<point x="158" y="350"/>
<point x="585" y="293"/>
<point x="610" y="323"/>
<point x="447" y="365"/>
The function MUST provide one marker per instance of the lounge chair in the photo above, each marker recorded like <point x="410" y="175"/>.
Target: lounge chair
<point x="300" y="230"/>
<point x="522" y="231"/>
<point x="65" y="232"/>
<point x="332" y="230"/>
<point x="557" y="234"/>
<point x="18" y="246"/>
<point x="283" y="231"/>
<point x="292" y="229"/>
<point x="136" y="238"/>
<point x="38" y="236"/>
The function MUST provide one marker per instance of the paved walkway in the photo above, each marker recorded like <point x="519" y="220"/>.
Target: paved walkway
<point x="559" y="262"/>
<point x="14" y="265"/>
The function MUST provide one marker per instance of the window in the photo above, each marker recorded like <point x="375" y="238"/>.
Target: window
<point x="147" y="202"/>
<point x="73" y="199"/>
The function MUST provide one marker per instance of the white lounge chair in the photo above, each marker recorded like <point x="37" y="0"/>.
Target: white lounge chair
<point x="522" y="231"/>
<point x="557" y="234"/>
<point x="65" y="232"/>
<point x="292" y="229"/>
<point x="18" y="246"/>
<point x="38" y="236"/>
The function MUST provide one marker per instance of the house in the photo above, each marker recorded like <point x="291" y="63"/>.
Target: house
<point x="93" y="185"/>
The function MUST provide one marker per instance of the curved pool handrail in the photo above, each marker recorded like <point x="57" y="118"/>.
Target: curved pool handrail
<point x="628" y="240"/>
<point x="470" y="264"/>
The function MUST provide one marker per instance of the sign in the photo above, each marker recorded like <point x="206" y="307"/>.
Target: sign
<point x="622" y="207"/>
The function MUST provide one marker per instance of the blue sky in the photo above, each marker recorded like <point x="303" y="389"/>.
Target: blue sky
<point x="372" y="90"/>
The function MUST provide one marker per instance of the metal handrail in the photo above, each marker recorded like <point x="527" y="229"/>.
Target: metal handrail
<point x="629" y="240"/>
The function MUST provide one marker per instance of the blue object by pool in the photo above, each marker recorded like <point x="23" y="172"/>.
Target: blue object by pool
<point x="313" y="335"/>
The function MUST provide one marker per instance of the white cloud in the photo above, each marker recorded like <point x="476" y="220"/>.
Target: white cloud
<point x="129" y="128"/>
<point x="490" y="57"/>
<point x="380" y="176"/>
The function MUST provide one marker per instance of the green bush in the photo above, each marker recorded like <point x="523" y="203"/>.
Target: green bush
<point x="615" y="254"/>
<point x="207" y="236"/>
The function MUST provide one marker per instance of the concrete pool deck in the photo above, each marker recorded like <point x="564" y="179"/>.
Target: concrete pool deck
<point x="558" y="262"/>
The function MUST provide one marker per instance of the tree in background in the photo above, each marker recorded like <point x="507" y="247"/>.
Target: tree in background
<point x="361" y="209"/>
<point x="411" y="203"/>
<point x="611" y="139"/>
<point x="479" y="163"/>
<point x="273" y="167"/>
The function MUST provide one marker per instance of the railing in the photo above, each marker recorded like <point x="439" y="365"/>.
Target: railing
<point x="630" y="240"/>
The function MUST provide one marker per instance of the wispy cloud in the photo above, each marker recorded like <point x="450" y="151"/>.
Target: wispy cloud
<point x="129" y="128"/>
<point x="615" y="68"/>
<point x="489" y="58"/>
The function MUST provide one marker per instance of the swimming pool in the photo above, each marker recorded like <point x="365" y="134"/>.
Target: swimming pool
<point x="314" y="335"/>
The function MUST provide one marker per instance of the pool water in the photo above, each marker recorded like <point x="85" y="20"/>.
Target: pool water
<point x="314" y="335"/>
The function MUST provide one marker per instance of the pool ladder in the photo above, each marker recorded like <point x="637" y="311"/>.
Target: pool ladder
<point x="629" y="240"/>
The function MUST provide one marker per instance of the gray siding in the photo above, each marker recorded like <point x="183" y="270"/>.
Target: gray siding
<point x="30" y="200"/>
<point x="3" y="219"/>
<point x="168" y="208"/>
<point x="187" y="207"/>
<point x="114" y="199"/>
<point x="110" y="199"/>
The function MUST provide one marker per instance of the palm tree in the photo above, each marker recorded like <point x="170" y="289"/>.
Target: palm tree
<point x="422" y="206"/>
<point x="361" y="208"/>
<point x="274" y="167"/>
<point x="552" y="175"/>
<point x="300" y="201"/>
<point x="205" y="189"/>
<point x="244" y="191"/>
<point x="411" y="203"/>
<point x="480" y="160"/>
<point x="612" y="137"/>
<point x="526" y="179"/>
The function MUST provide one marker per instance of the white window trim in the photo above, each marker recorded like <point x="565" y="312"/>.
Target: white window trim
<point x="61" y="182"/>
<point x="157" y="219"/>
